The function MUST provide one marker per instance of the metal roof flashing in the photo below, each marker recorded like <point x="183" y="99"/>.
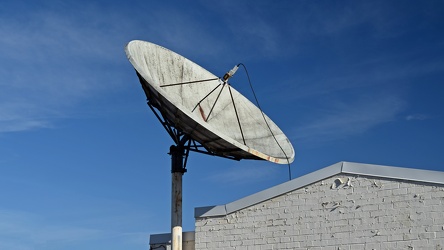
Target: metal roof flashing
<point x="409" y="174"/>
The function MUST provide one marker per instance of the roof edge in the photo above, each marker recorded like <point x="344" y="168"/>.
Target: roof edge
<point x="221" y="210"/>
<point x="410" y="174"/>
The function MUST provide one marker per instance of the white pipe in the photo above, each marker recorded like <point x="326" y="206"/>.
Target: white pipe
<point x="177" y="238"/>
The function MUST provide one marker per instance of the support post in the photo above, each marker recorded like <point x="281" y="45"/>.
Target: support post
<point x="177" y="170"/>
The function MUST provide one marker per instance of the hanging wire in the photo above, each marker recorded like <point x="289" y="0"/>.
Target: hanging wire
<point x="263" y="115"/>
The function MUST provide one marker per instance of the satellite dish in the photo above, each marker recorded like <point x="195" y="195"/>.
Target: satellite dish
<point x="205" y="107"/>
<point x="194" y="105"/>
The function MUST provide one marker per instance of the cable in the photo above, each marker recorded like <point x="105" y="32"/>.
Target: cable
<point x="263" y="115"/>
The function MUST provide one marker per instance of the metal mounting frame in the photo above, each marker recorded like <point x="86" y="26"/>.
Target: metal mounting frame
<point x="182" y="139"/>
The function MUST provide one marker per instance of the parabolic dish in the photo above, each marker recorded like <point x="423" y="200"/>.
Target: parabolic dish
<point x="202" y="106"/>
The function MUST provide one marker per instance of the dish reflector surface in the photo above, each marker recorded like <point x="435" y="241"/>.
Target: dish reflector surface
<point x="199" y="104"/>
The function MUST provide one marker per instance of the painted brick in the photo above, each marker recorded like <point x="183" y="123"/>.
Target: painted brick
<point x="373" y="214"/>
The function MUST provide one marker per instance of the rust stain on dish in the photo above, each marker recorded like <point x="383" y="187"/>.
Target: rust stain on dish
<point x="202" y="113"/>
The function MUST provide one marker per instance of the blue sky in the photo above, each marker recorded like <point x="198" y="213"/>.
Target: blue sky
<point x="84" y="163"/>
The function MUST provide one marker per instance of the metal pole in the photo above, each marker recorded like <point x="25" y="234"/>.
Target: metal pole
<point x="176" y="213"/>
<point x="177" y="170"/>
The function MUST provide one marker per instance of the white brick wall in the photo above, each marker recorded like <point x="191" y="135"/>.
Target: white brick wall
<point x="341" y="212"/>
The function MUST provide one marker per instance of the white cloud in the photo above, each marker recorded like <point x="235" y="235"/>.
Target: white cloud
<point x="419" y="117"/>
<point x="20" y="116"/>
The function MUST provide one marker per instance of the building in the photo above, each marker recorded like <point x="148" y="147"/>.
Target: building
<point x="343" y="206"/>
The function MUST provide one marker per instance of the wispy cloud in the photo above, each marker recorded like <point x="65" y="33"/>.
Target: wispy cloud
<point x="21" y="115"/>
<point x="417" y="117"/>
<point x="185" y="33"/>
<point x="349" y="117"/>
<point x="52" y="61"/>
<point x="261" y="28"/>
<point x="24" y="230"/>
<point x="253" y="172"/>
<point x="251" y="30"/>
<point x="374" y="72"/>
